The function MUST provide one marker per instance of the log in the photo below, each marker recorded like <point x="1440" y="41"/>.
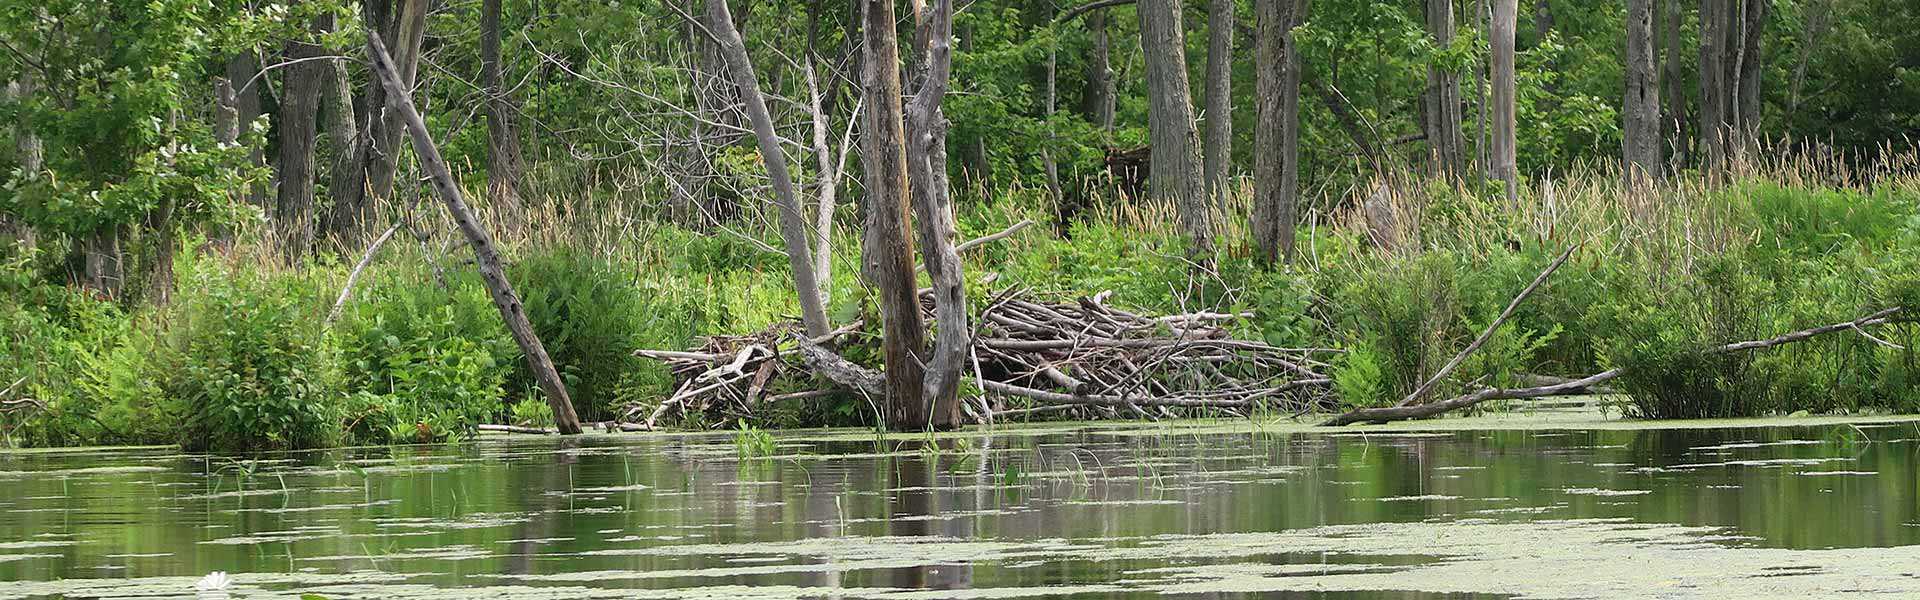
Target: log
<point x="486" y="257"/>
<point x="1488" y="332"/>
<point x="514" y="429"/>
<point x="1396" y="413"/>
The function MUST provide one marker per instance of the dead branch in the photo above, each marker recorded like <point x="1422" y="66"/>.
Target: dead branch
<point x="1487" y="333"/>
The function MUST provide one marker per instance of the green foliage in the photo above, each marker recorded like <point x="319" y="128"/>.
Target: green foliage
<point x="590" y="314"/>
<point x="1360" y="381"/>
<point x="531" y="412"/>
<point x="258" y="371"/>
<point x="427" y="367"/>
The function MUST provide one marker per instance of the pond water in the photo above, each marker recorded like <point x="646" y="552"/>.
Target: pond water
<point x="1097" y="511"/>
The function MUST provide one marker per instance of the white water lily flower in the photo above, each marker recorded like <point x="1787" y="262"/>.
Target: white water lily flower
<point x="216" y="580"/>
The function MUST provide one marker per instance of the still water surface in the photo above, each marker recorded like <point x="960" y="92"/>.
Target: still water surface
<point x="1089" y="512"/>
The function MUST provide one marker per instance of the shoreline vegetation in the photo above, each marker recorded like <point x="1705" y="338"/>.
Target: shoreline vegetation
<point x="238" y="227"/>
<point x="417" y="354"/>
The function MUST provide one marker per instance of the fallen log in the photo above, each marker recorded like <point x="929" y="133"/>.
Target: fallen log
<point x="1398" y="413"/>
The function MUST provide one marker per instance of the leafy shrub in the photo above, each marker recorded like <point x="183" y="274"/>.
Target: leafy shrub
<point x="588" y="312"/>
<point x="428" y="367"/>
<point x="257" y="370"/>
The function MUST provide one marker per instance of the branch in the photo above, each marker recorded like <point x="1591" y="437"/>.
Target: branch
<point x="1089" y="7"/>
<point x="1488" y="332"/>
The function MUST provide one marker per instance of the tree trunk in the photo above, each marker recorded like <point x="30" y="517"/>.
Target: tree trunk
<point x="1175" y="171"/>
<point x="888" y="250"/>
<point x="503" y="139"/>
<point x="1098" y="103"/>
<point x="1505" y="165"/>
<point x="241" y="71"/>
<point x="793" y="220"/>
<point x="485" y="256"/>
<point x="376" y="152"/>
<point x="1819" y="16"/>
<point x="826" y="187"/>
<point x="1219" y="111"/>
<point x="1442" y="101"/>
<point x="927" y="170"/>
<point x="31" y="158"/>
<point x="298" y="121"/>
<point x="1640" y="133"/>
<point x="1673" y="90"/>
<point x="1276" y="157"/>
<point x="1713" y="98"/>
<point x="1051" y="102"/>
<point x="1752" y="29"/>
<point x="1482" y="156"/>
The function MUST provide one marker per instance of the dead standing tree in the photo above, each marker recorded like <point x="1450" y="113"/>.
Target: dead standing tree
<point x="400" y="101"/>
<point x="927" y="175"/>
<point x="888" y="251"/>
<point x="793" y="221"/>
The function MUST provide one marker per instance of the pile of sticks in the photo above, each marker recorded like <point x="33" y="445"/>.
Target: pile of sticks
<point x="1091" y="354"/>
<point x="1082" y="355"/>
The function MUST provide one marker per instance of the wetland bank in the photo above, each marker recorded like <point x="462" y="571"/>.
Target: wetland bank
<point x="1780" y="508"/>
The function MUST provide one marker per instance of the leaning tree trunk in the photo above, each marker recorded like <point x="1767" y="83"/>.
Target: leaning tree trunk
<point x="793" y="220"/>
<point x="486" y="257"/>
<point x="927" y="172"/>
<point x="888" y="250"/>
<point x="1442" y="100"/>
<point x="1504" y="143"/>
<point x="298" y="127"/>
<point x="1640" y="109"/>
<point x="1175" y="171"/>
<point x="504" y="164"/>
<point x="1219" y="112"/>
<point x="1276" y="157"/>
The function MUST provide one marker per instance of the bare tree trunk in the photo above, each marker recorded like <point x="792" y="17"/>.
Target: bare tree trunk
<point x="376" y="151"/>
<point x="339" y="114"/>
<point x="1482" y="156"/>
<point x="1819" y="16"/>
<point x="485" y="256"/>
<point x="1276" y="157"/>
<point x="1098" y="103"/>
<point x="1219" y="112"/>
<point x="1175" y="171"/>
<point x="1640" y="134"/>
<point x="927" y="170"/>
<point x="1051" y="102"/>
<point x="31" y="157"/>
<point x="826" y="187"/>
<point x="1505" y="165"/>
<point x="1752" y="29"/>
<point x="503" y="138"/>
<point x="298" y="121"/>
<point x="1713" y="97"/>
<point x="1673" y="90"/>
<point x="888" y="260"/>
<point x="793" y="220"/>
<point x="1443" y="114"/>
<point x="241" y="71"/>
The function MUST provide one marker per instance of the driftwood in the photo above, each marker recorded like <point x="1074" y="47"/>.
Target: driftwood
<point x="1396" y="413"/>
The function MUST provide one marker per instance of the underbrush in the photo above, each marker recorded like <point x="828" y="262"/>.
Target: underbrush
<point x="245" y="357"/>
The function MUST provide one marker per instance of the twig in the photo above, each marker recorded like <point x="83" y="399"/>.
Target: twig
<point x="1488" y="332"/>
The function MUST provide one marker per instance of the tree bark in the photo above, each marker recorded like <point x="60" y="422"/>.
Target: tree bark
<point x="504" y="164"/>
<point x="1175" y="174"/>
<point x="1640" y="109"/>
<point x="927" y="170"/>
<point x="1276" y="157"/>
<point x="298" y="122"/>
<point x="31" y="157"/>
<point x="1098" y="103"/>
<point x="793" y="220"/>
<point x="1442" y="99"/>
<point x="1752" y="29"/>
<point x="241" y="71"/>
<point x="1219" y="111"/>
<point x="1673" y="89"/>
<point x="1713" y="96"/>
<point x="376" y="152"/>
<point x="1819" y="16"/>
<point x="1504" y="143"/>
<point x="486" y="257"/>
<point x="888" y="250"/>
